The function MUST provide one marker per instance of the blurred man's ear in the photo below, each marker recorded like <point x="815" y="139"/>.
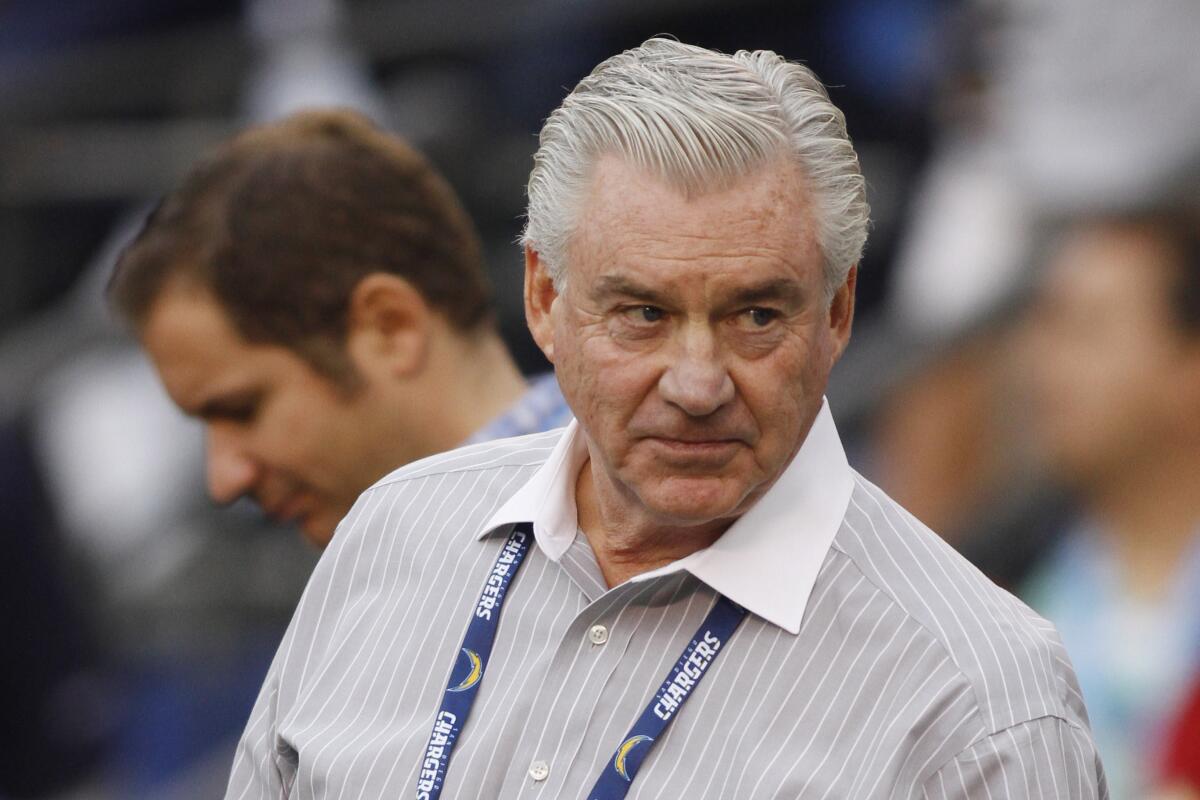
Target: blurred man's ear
<point x="540" y="295"/>
<point x="388" y="325"/>
<point x="1188" y="376"/>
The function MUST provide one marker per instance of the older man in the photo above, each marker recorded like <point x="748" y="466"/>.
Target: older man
<point x="315" y="294"/>
<point x="689" y="593"/>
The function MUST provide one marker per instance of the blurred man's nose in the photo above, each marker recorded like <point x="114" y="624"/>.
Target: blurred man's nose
<point x="231" y="473"/>
<point x="696" y="380"/>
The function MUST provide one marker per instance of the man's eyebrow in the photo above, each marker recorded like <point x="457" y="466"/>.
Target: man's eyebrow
<point x="226" y="405"/>
<point x="783" y="290"/>
<point x="779" y="290"/>
<point x="610" y="285"/>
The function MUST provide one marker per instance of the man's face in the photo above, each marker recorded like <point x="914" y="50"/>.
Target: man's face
<point x="1108" y="367"/>
<point x="277" y="430"/>
<point x="692" y="339"/>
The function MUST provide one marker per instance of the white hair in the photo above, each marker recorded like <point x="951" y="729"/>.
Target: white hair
<point x="700" y="120"/>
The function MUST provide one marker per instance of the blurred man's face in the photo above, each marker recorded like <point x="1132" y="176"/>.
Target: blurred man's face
<point x="692" y="339"/>
<point x="278" y="431"/>
<point x="1105" y="355"/>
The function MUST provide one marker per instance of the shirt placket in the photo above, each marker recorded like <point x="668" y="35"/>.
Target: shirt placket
<point x="548" y="762"/>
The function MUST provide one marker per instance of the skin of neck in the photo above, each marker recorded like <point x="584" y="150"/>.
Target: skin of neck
<point x="466" y="381"/>
<point x="1150" y="507"/>
<point x="627" y="543"/>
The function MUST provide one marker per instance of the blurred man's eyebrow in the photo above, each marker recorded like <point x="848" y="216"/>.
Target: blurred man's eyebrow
<point x="225" y="405"/>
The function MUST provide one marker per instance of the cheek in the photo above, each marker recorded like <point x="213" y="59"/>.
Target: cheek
<point x="601" y="380"/>
<point x="286" y="438"/>
<point x="1090" y="377"/>
<point x="782" y="392"/>
<point x="299" y="435"/>
<point x="775" y="406"/>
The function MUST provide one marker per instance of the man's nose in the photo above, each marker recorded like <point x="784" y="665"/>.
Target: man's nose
<point x="231" y="473"/>
<point x="696" y="380"/>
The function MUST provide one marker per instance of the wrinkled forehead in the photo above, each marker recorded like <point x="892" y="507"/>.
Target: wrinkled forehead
<point x="629" y="213"/>
<point x="772" y="185"/>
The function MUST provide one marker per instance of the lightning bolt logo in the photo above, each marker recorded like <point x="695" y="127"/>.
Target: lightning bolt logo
<point x="474" y="675"/>
<point x="623" y="752"/>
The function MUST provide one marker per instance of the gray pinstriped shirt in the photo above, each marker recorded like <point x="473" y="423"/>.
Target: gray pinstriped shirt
<point x="875" y="662"/>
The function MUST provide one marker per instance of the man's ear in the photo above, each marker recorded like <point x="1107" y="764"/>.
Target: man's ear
<point x="540" y="295"/>
<point x="1186" y="380"/>
<point x="388" y="325"/>
<point x="841" y="313"/>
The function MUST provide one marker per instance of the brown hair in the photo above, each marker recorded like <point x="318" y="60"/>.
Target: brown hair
<point x="282" y="222"/>
<point x="1185" y="291"/>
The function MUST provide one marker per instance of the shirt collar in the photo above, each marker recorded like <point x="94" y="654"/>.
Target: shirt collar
<point x="767" y="561"/>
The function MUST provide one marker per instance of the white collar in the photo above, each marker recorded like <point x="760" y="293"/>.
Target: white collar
<point x="768" y="559"/>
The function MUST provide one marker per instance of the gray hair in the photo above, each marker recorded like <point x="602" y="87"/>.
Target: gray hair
<point x="700" y="120"/>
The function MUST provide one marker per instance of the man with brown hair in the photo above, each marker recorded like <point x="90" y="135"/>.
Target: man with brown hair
<point x="314" y="292"/>
<point x="1114" y="370"/>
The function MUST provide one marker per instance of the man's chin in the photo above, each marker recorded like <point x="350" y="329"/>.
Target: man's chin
<point x="317" y="529"/>
<point x="695" y="501"/>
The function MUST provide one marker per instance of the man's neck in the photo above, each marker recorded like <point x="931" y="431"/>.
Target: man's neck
<point x="626" y="544"/>
<point x="479" y="381"/>
<point x="1152" y="512"/>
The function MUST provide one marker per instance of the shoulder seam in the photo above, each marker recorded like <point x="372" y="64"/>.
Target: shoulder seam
<point x="448" y="471"/>
<point x="908" y="615"/>
<point x="990" y="734"/>
<point x="1036" y="632"/>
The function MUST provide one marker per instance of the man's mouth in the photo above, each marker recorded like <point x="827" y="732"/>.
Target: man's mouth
<point x="696" y="447"/>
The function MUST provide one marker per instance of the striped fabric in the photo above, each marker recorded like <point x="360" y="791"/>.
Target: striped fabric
<point x="911" y="676"/>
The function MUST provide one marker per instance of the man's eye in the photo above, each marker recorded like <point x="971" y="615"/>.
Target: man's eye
<point x="759" y="317"/>
<point x="242" y="414"/>
<point x="238" y="414"/>
<point x="644" y="314"/>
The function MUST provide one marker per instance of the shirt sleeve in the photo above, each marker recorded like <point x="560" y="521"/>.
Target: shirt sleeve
<point x="1047" y="757"/>
<point x="260" y="771"/>
<point x="265" y="765"/>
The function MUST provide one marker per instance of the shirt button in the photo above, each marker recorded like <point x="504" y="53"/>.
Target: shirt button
<point x="539" y="770"/>
<point x="598" y="634"/>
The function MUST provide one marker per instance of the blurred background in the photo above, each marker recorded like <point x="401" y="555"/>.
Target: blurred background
<point x="1024" y="374"/>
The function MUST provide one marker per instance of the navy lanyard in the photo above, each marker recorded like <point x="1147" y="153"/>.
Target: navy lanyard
<point x="463" y="685"/>
<point x="706" y="645"/>
<point x="476" y="650"/>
